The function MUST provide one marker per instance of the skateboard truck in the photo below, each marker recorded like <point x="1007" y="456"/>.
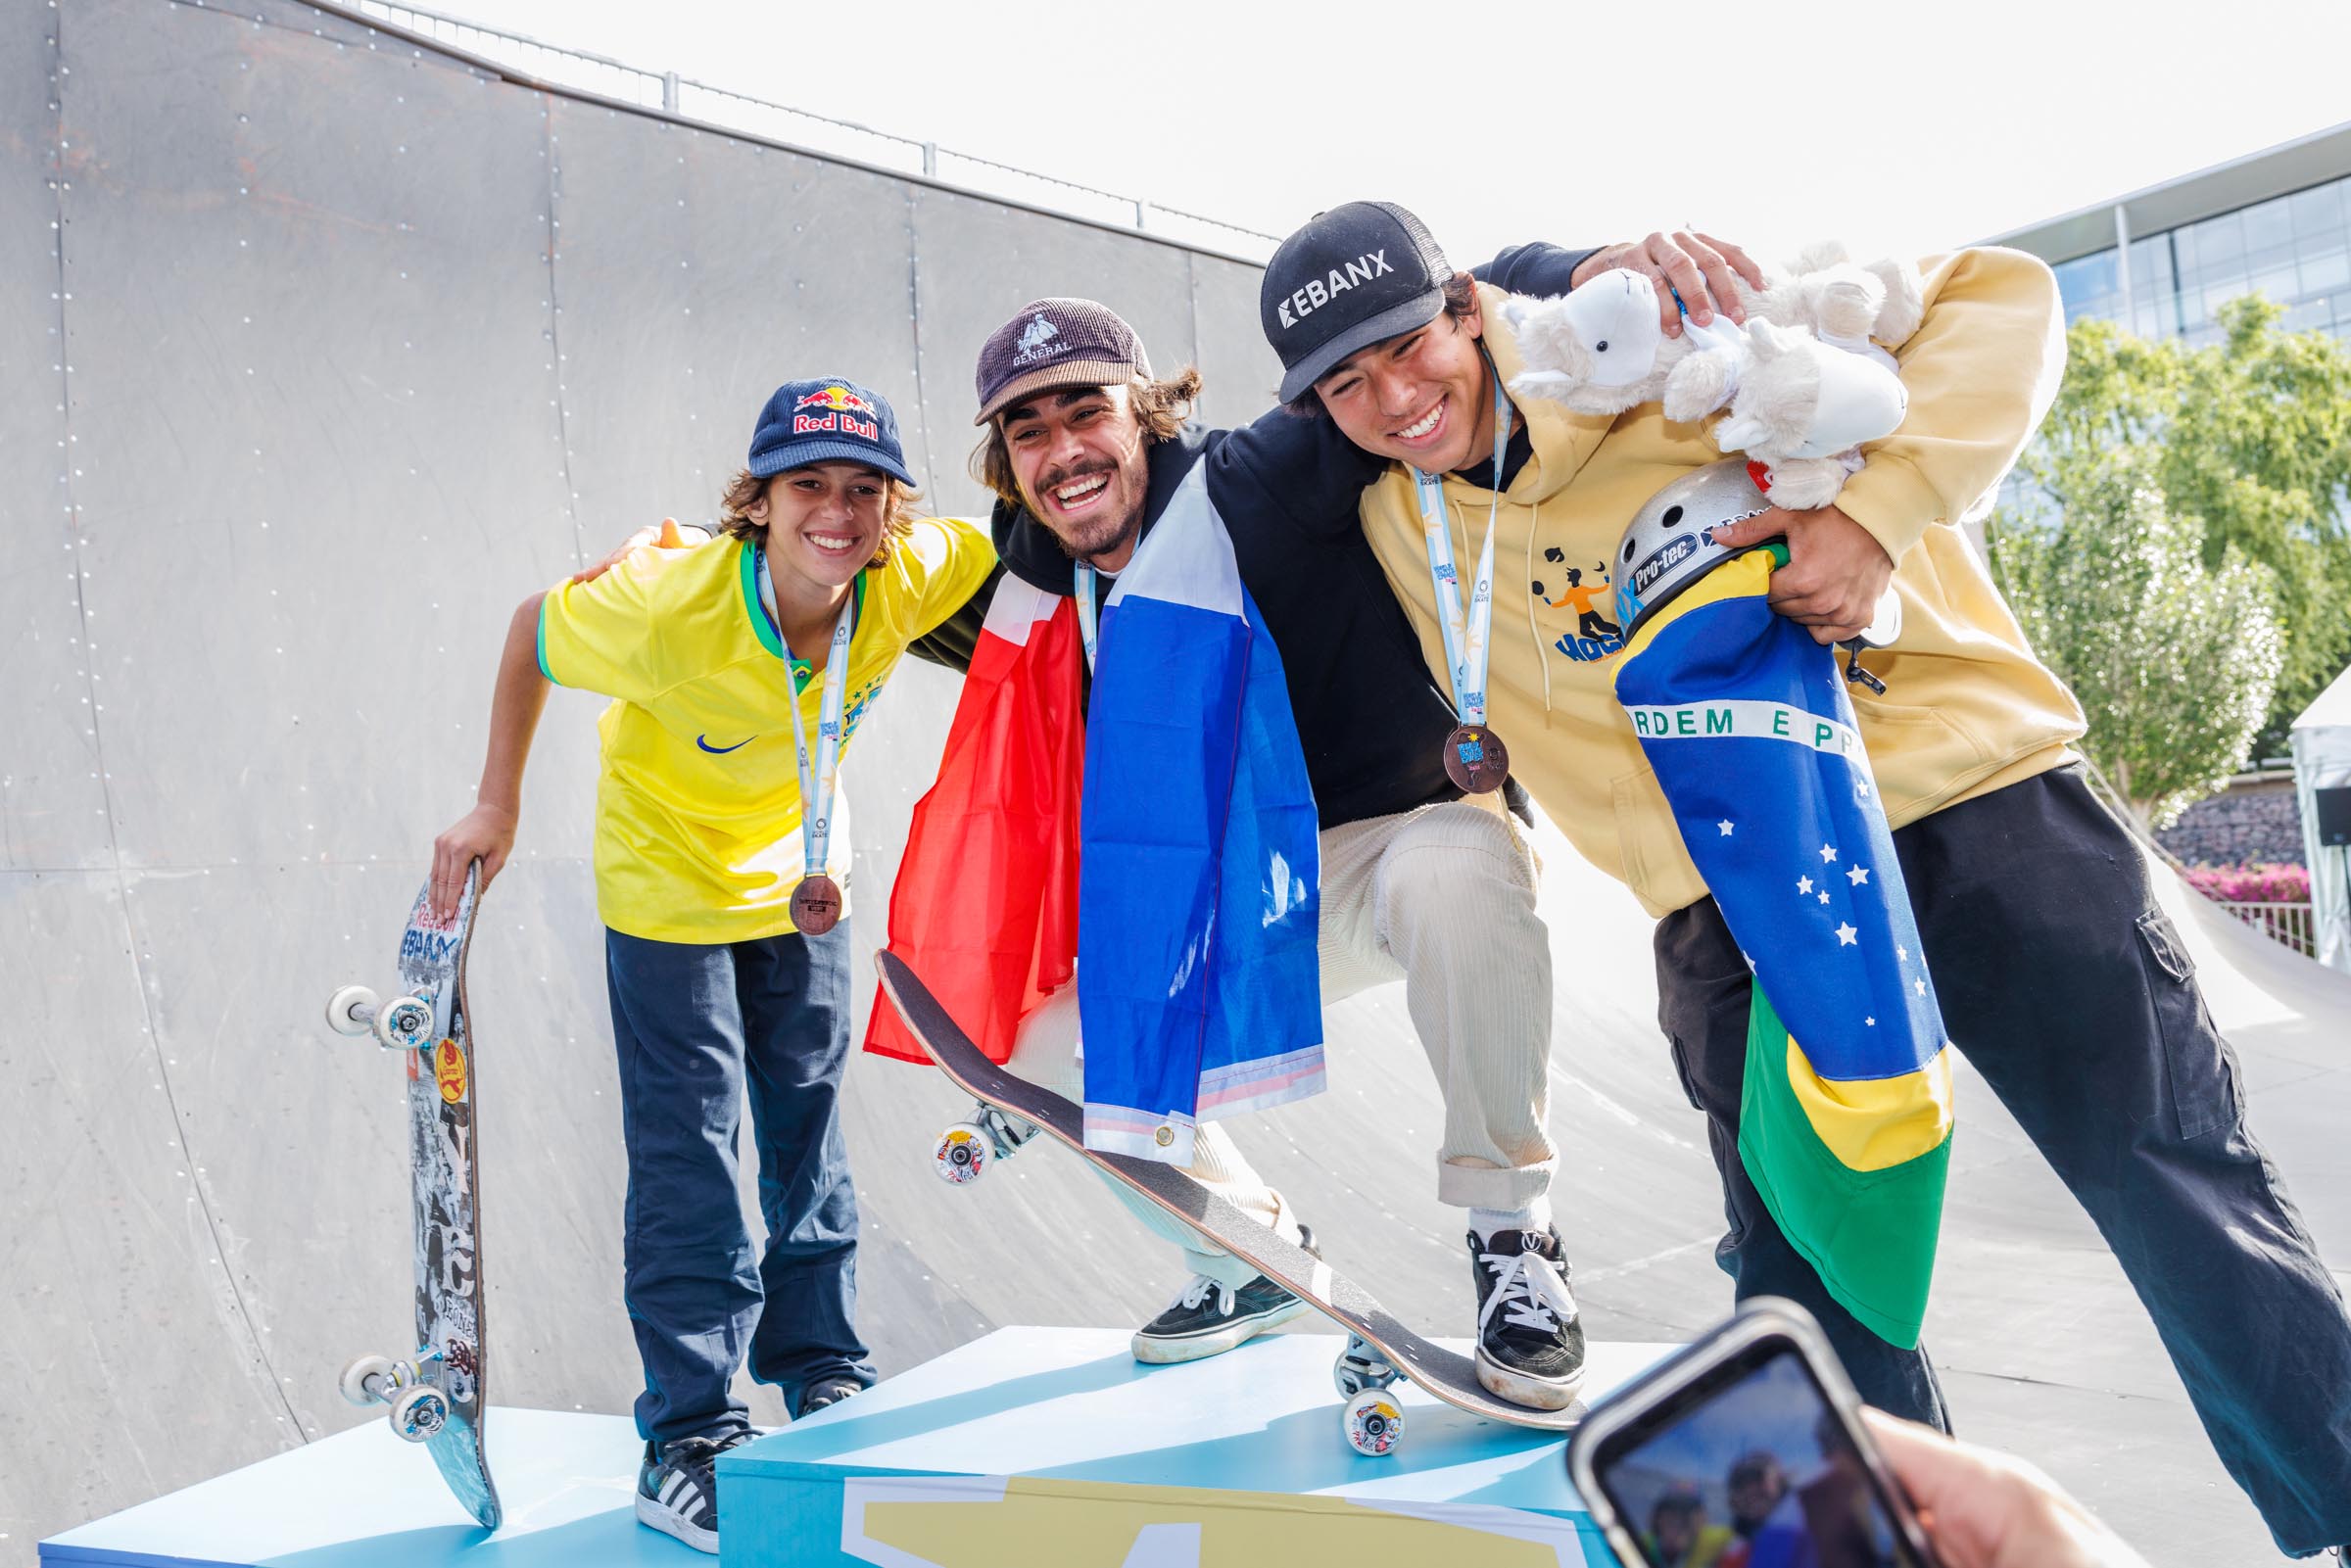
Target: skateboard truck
<point x="413" y="1388"/>
<point x="966" y="1150"/>
<point x="404" y="1026"/>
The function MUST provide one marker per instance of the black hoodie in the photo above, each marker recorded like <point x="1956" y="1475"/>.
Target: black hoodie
<point x="1370" y="717"/>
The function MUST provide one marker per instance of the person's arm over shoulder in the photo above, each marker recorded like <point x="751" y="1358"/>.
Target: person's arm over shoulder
<point x="1301" y="471"/>
<point x="1536" y="269"/>
<point x="605" y="636"/>
<point x="1980" y="371"/>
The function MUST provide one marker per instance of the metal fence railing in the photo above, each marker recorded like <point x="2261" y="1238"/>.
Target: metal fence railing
<point x="667" y="92"/>
<point x="2290" y="923"/>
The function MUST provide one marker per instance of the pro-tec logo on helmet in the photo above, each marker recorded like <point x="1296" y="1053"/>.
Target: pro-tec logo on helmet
<point x="1319" y="292"/>
<point x="841" y="407"/>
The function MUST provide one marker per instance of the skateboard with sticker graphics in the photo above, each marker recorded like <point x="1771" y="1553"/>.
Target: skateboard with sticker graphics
<point x="436" y="1391"/>
<point x="1379" y="1349"/>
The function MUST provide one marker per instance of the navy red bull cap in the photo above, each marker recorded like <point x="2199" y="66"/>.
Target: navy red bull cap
<point x="825" y="420"/>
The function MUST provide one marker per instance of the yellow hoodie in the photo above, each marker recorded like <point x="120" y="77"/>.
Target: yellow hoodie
<point x="1967" y="707"/>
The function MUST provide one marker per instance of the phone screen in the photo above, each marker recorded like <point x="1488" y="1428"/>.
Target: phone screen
<point x="1751" y="1468"/>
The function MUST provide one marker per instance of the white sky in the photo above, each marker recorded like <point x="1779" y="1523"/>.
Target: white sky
<point x="1893" y="125"/>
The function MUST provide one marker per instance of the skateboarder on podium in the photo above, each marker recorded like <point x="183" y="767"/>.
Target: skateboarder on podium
<point x="738" y="672"/>
<point x="2061" y="980"/>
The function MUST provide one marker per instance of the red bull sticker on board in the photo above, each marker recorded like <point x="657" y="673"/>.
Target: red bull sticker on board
<point x="449" y="1071"/>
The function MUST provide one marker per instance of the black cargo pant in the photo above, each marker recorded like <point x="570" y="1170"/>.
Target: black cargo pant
<point x="2065" y="987"/>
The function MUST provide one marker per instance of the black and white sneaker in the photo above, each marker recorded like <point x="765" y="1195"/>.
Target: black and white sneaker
<point x="1207" y="1318"/>
<point x="1530" y="1340"/>
<point x="677" y="1487"/>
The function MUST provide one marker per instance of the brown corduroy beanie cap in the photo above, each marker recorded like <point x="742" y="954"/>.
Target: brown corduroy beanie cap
<point x="1056" y="342"/>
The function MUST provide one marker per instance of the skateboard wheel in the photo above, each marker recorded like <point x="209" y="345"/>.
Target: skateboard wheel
<point x="419" y="1413"/>
<point x="1373" y="1422"/>
<point x="351" y="1010"/>
<point x="963" y="1154"/>
<point x="407" y="1025"/>
<point x="356" y="1376"/>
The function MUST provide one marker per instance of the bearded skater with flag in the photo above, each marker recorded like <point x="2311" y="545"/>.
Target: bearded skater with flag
<point x="1169" y="800"/>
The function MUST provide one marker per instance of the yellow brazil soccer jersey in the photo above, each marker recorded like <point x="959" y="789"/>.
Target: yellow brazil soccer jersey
<point x="697" y="812"/>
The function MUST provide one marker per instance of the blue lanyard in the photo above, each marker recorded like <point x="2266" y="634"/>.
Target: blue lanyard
<point x="1467" y="638"/>
<point x="1086" y="611"/>
<point x="820" y="774"/>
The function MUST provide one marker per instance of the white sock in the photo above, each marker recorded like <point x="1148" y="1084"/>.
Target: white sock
<point x="1535" y="1217"/>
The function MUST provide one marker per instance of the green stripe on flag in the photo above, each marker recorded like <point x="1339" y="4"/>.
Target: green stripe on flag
<point x="1870" y="1234"/>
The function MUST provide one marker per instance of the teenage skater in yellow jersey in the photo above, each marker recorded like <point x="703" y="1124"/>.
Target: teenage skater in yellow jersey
<point x="738" y="672"/>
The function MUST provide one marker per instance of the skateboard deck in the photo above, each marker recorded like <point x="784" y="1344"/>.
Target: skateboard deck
<point x="1446" y="1374"/>
<point x="446" y="1203"/>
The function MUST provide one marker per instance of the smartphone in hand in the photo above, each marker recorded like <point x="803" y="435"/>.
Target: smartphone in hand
<point x="1745" y="1449"/>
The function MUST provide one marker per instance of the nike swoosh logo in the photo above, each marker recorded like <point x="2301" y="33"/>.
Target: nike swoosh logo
<point x="719" y="751"/>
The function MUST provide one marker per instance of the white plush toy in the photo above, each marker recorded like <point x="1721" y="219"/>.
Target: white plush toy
<point x="1799" y="406"/>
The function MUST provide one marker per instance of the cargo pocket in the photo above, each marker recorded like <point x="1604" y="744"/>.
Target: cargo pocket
<point x="2201" y="1067"/>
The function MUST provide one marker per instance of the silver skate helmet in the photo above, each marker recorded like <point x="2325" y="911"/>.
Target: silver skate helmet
<point x="1670" y="544"/>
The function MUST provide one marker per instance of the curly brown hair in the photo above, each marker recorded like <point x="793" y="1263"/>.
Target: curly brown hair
<point x="744" y="490"/>
<point x="1460" y="297"/>
<point x="1161" y="408"/>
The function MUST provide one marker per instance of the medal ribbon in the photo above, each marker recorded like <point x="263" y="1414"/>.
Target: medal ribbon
<point x="1467" y="638"/>
<point x="818" y="782"/>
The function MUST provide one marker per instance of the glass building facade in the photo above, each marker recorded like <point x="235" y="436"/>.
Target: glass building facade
<point x="2294" y="248"/>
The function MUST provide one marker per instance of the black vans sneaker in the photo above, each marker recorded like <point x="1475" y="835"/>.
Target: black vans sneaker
<point x="1530" y="1340"/>
<point x="1206" y="1318"/>
<point x="677" y="1487"/>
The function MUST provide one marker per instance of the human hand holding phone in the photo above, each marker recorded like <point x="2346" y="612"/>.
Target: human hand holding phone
<point x="1751" y="1447"/>
<point x="1986" y="1509"/>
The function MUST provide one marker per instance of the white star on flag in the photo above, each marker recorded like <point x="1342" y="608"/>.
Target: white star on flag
<point x="1920" y="986"/>
<point x="1862" y="790"/>
<point x="1804" y="884"/>
<point x="1872" y="1023"/>
<point x="1824" y="895"/>
<point x="1847" y="936"/>
<point x="1725" y="825"/>
<point x="1857" y="876"/>
<point x="1827" y="854"/>
<point x="1902" y="953"/>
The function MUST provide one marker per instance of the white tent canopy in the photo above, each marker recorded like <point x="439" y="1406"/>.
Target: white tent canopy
<point x="2322" y="738"/>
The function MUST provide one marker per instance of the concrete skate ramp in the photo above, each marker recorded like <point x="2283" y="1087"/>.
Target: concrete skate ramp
<point x="328" y="349"/>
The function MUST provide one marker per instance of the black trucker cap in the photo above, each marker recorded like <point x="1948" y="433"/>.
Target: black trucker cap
<point x="1351" y="277"/>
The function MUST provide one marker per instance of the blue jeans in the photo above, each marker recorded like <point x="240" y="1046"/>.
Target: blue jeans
<point x="2064" y="985"/>
<point x="695" y="1025"/>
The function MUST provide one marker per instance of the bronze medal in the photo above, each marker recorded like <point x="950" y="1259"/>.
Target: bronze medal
<point x="816" y="905"/>
<point x="1476" y="759"/>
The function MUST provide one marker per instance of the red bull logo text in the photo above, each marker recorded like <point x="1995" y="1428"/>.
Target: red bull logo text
<point x="840" y="407"/>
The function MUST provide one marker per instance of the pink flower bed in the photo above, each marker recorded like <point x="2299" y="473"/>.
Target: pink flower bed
<point x="2259" y="884"/>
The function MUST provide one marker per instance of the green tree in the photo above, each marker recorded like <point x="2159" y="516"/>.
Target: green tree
<point x="2250" y="444"/>
<point x="2176" y="662"/>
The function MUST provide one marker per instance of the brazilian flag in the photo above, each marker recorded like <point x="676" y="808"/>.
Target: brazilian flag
<point x="1844" y="1126"/>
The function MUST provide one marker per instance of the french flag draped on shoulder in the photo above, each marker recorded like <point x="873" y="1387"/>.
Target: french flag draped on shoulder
<point x="1844" y="1124"/>
<point x="1198" y="988"/>
<point x="984" y="908"/>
